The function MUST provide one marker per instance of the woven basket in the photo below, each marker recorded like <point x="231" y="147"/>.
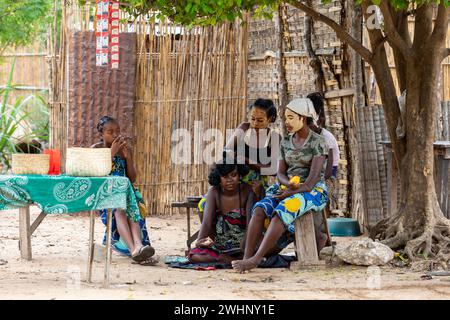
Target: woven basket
<point x="88" y="162"/>
<point x="25" y="163"/>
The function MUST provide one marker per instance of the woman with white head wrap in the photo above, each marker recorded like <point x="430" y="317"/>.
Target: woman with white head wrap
<point x="302" y="154"/>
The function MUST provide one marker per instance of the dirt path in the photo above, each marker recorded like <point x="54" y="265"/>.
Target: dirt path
<point x="60" y="253"/>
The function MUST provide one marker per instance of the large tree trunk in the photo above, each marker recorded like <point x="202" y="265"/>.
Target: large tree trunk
<point x="419" y="226"/>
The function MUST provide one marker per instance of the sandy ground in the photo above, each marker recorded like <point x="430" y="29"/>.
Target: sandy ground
<point x="58" y="270"/>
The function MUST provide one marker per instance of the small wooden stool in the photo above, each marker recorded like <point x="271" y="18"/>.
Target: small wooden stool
<point x="188" y="205"/>
<point x="305" y="241"/>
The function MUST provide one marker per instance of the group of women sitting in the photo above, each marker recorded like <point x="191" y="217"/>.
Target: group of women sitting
<point x="244" y="219"/>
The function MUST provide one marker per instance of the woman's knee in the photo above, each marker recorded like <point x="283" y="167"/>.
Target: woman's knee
<point x="259" y="214"/>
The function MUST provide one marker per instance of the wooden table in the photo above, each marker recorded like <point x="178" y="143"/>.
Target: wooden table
<point x="64" y="195"/>
<point x="26" y="230"/>
<point x="441" y="168"/>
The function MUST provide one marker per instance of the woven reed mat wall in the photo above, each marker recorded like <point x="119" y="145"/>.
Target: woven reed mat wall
<point x="98" y="91"/>
<point x="182" y="76"/>
<point x="370" y="123"/>
<point x="263" y="77"/>
<point x="191" y="80"/>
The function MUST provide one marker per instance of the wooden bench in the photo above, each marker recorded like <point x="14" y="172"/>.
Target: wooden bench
<point x="305" y="241"/>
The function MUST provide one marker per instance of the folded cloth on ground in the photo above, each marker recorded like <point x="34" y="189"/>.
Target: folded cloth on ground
<point x="200" y="266"/>
<point x="275" y="261"/>
<point x="175" y="259"/>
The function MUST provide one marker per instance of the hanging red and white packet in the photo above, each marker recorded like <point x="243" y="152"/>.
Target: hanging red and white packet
<point x="114" y="39"/>
<point x="102" y="33"/>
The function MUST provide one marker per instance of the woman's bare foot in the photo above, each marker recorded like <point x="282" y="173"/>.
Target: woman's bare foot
<point x="246" y="264"/>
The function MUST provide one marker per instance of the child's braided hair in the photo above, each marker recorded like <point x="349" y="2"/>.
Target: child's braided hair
<point x="104" y="120"/>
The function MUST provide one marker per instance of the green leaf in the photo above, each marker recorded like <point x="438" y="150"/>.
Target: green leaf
<point x="188" y="7"/>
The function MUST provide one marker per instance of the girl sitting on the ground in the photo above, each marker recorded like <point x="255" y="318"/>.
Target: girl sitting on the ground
<point x="225" y="218"/>
<point x="127" y="237"/>
<point x="303" y="153"/>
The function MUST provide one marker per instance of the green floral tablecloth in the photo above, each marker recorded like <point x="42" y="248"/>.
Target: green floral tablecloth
<point x="65" y="194"/>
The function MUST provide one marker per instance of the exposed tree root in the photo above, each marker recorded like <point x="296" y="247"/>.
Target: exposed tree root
<point x="427" y="240"/>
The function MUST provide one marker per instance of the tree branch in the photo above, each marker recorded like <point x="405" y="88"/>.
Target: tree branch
<point x="423" y="28"/>
<point x="441" y="23"/>
<point x="393" y="36"/>
<point x="385" y="82"/>
<point x="365" y="53"/>
<point x="400" y="18"/>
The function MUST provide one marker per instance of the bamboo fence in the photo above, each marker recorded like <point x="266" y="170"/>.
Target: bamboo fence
<point x="186" y="79"/>
<point x="184" y="76"/>
<point x="30" y="72"/>
<point x="193" y="84"/>
<point x="263" y="80"/>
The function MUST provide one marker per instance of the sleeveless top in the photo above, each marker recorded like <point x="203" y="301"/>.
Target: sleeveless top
<point x="261" y="155"/>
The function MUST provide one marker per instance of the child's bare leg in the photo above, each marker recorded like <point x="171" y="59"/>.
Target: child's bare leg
<point x="274" y="232"/>
<point x="254" y="231"/>
<point x="124" y="229"/>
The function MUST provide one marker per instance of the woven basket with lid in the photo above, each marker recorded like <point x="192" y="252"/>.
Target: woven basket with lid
<point x="26" y="163"/>
<point x="88" y="162"/>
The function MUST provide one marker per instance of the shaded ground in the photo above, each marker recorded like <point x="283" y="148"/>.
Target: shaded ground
<point x="60" y="254"/>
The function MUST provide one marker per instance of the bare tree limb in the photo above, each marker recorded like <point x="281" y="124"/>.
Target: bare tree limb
<point x="393" y="36"/>
<point x="380" y="67"/>
<point x="423" y="29"/>
<point x="282" y="89"/>
<point x="441" y="23"/>
<point x="365" y="53"/>
<point x="400" y="18"/>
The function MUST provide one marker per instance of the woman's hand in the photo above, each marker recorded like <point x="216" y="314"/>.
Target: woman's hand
<point x="117" y="145"/>
<point x="126" y="151"/>
<point x="204" y="243"/>
<point x="285" y="194"/>
<point x="256" y="187"/>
